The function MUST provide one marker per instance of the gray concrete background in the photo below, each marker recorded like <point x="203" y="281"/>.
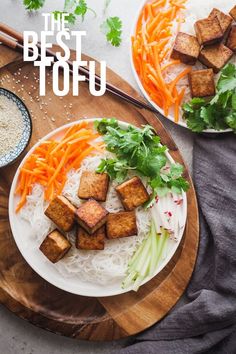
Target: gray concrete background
<point x="16" y="335"/>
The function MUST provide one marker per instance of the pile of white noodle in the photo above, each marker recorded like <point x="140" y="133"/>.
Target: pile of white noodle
<point x="101" y="267"/>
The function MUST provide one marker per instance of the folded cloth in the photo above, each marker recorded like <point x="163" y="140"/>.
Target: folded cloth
<point x="206" y="322"/>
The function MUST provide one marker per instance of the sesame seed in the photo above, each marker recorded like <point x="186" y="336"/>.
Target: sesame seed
<point x="11" y="125"/>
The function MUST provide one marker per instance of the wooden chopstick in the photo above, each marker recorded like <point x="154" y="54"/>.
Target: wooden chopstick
<point x="19" y="47"/>
<point x="16" y="43"/>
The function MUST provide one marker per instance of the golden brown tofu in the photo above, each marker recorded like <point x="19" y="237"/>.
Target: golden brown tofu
<point x="91" y="216"/>
<point x="215" y="56"/>
<point x="225" y="20"/>
<point x="122" y="224"/>
<point x="96" y="241"/>
<point x="208" y="31"/>
<point x="132" y="193"/>
<point x="55" y="246"/>
<point x="186" y="48"/>
<point x="62" y="213"/>
<point x="231" y="40"/>
<point x="202" y="83"/>
<point x="233" y="13"/>
<point x="93" y="185"/>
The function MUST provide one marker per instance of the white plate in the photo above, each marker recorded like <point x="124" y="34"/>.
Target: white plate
<point x="159" y="109"/>
<point x="22" y="234"/>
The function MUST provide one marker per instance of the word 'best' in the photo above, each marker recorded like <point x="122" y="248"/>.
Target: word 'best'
<point x="38" y="50"/>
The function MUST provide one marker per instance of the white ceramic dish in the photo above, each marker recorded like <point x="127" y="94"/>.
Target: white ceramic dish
<point x="22" y="234"/>
<point x="145" y="94"/>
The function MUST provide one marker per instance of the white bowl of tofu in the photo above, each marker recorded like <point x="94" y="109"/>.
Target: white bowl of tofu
<point x="206" y="42"/>
<point x="63" y="260"/>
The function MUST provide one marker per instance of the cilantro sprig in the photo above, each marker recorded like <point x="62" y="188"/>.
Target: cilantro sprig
<point x="70" y="17"/>
<point x="220" y="112"/>
<point x="139" y="150"/>
<point x="74" y="9"/>
<point x="33" y="4"/>
<point x="112" y="28"/>
<point x="82" y="8"/>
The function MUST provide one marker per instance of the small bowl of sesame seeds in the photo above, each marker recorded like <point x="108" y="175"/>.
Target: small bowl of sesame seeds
<point x="15" y="127"/>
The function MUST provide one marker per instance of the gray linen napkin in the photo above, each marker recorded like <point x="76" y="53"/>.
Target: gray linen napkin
<point x="206" y="322"/>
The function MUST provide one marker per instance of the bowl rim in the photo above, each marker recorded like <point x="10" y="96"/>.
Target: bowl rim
<point x="30" y="125"/>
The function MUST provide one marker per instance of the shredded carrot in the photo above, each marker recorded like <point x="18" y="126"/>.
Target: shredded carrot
<point x="170" y="63"/>
<point x="177" y="103"/>
<point x="179" y="77"/>
<point x="158" y="3"/>
<point x="151" y="47"/>
<point x="50" y="162"/>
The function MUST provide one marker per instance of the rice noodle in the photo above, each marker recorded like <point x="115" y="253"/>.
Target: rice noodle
<point x="97" y="267"/>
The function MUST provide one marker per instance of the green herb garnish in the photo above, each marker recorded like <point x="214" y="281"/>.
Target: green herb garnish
<point x="82" y="8"/>
<point x="139" y="150"/>
<point x="112" y="28"/>
<point x="218" y="113"/>
<point x="70" y="17"/>
<point x="74" y="9"/>
<point x="33" y="4"/>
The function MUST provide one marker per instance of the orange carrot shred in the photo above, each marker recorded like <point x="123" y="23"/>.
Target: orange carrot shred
<point x="151" y="47"/>
<point x="50" y="162"/>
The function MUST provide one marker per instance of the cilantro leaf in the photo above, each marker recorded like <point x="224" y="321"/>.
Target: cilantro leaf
<point x="195" y="122"/>
<point x="233" y="98"/>
<point x="218" y="113"/>
<point x="33" y="4"/>
<point x="139" y="150"/>
<point x="70" y="16"/>
<point x="81" y="9"/>
<point x="176" y="170"/>
<point x="152" y="165"/>
<point x="227" y="80"/>
<point x="103" y="124"/>
<point x="231" y="121"/>
<point x="74" y="8"/>
<point x="179" y="184"/>
<point x="69" y="5"/>
<point x="117" y="169"/>
<point x="112" y="28"/>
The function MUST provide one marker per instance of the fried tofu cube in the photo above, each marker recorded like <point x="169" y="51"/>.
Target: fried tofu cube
<point x="55" y="246"/>
<point x="186" y="48"/>
<point x="224" y="20"/>
<point x="122" y="224"/>
<point x="62" y="213"/>
<point x="202" y="83"/>
<point x="91" y="216"/>
<point x="96" y="241"/>
<point x="215" y="56"/>
<point x="233" y="13"/>
<point x="231" y="40"/>
<point x="132" y="193"/>
<point x="208" y="31"/>
<point x="93" y="185"/>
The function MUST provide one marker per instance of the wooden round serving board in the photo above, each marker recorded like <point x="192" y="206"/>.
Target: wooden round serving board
<point x="32" y="298"/>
